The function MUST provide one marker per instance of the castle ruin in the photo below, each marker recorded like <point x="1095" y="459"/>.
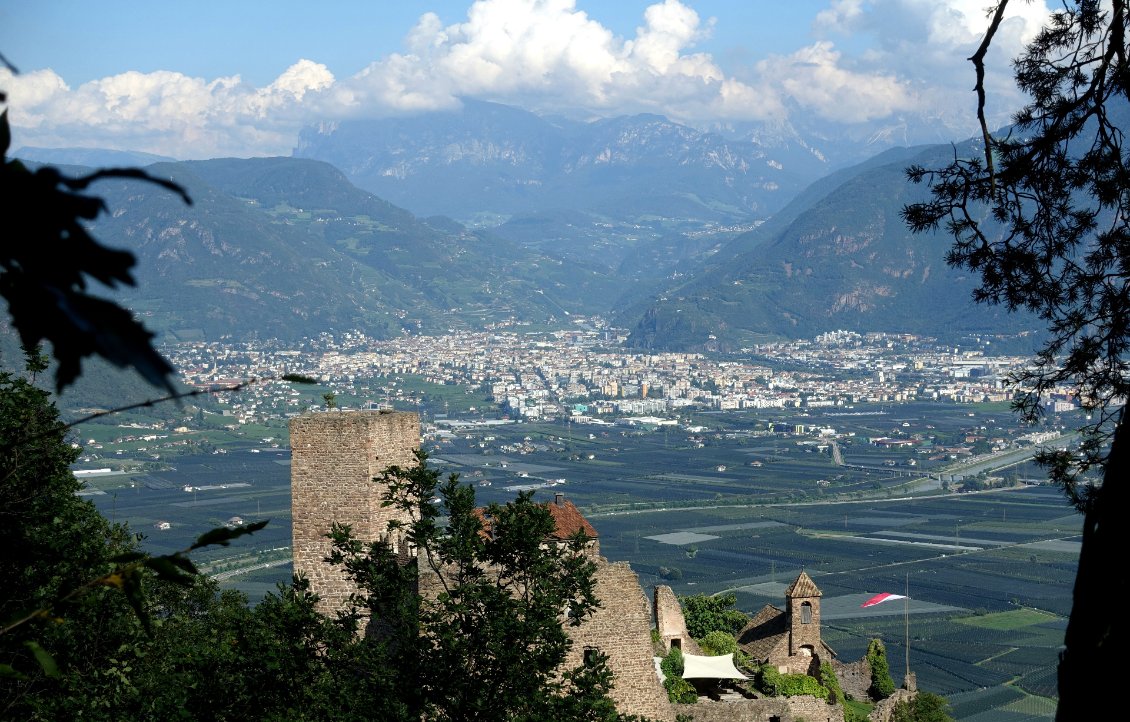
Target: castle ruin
<point x="337" y="459"/>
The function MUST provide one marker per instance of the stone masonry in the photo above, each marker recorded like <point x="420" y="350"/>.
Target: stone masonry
<point x="771" y="709"/>
<point x="621" y="628"/>
<point x="854" y="678"/>
<point x="670" y="622"/>
<point x="334" y="458"/>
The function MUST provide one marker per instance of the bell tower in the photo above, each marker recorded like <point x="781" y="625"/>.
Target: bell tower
<point x="802" y="605"/>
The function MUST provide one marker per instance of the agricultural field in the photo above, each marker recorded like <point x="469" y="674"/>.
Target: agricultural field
<point x="720" y="503"/>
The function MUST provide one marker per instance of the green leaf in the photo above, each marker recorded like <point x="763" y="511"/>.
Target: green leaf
<point x="45" y="660"/>
<point x="131" y="587"/>
<point x="184" y="563"/>
<point x="166" y="569"/>
<point x="7" y="670"/>
<point x="223" y="535"/>
<point x="299" y="379"/>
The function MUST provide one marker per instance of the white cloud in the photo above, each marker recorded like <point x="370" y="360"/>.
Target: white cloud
<point x="872" y="59"/>
<point x="925" y="44"/>
<point x="815" y="78"/>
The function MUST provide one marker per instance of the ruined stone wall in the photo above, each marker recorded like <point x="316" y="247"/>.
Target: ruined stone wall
<point x="855" y="678"/>
<point x="670" y="622"/>
<point x="799" y="664"/>
<point x="784" y="709"/>
<point x="334" y="458"/>
<point x="621" y="628"/>
<point x="885" y="708"/>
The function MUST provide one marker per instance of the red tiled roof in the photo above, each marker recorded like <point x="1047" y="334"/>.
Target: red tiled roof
<point x="567" y="520"/>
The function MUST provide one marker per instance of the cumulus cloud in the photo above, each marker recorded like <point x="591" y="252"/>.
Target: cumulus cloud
<point x="515" y="50"/>
<point x="163" y="111"/>
<point x="870" y="59"/>
<point x="925" y="45"/>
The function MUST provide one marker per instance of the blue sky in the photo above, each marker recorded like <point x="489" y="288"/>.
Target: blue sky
<point x="84" y="40"/>
<point x="241" y="78"/>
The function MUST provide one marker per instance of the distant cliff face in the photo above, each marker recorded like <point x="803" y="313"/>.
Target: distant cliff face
<point x="840" y="256"/>
<point x="497" y="159"/>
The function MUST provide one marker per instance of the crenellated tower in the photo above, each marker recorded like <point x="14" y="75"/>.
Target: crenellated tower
<point x="335" y="458"/>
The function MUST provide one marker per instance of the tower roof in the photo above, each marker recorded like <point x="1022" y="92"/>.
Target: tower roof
<point x="567" y="520"/>
<point x="803" y="587"/>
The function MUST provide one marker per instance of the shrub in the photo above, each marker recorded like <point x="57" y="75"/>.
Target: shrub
<point x="680" y="690"/>
<point x="672" y="664"/>
<point x="773" y="683"/>
<point x="882" y="686"/>
<point x="710" y="614"/>
<point x="718" y="643"/>
<point x="828" y="679"/>
<point x="924" y="707"/>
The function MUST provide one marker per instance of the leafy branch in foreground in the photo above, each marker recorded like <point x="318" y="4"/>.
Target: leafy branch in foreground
<point x="1049" y="232"/>
<point x="176" y="568"/>
<point x="45" y="267"/>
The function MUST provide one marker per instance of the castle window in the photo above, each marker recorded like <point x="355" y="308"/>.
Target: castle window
<point x="590" y="656"/>
<point x="806" y="613"/>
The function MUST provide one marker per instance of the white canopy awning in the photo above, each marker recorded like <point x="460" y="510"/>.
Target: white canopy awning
<point x="720" y="667"/>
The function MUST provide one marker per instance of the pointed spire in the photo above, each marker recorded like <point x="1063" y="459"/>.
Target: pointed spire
<point x="803" y="587"/>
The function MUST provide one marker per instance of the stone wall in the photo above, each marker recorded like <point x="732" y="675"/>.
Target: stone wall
<point x="621" y="628"/>
<point x="771" y="709"/>
<point x="855" y="678"/>
<point x="670" y="622"/>
<point x="334" y="458"/>
<point x="884" y="708"/>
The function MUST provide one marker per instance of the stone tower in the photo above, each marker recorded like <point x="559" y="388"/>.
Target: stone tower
<point x="334" y="458"/>
<point x="802" y="605"/>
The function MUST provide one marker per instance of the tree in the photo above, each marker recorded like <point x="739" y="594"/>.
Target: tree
<point x="486" y="636"/>
<point x="712" y="614"/>
<point x="54" y="542"/>
<point x="882" y="686"/>
<point x="1043" y="216"/>
<point x="923" y="707"/>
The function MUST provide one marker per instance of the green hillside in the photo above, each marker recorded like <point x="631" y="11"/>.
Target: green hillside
<point x="839" y="256"/>
<point x="286" y="248"/>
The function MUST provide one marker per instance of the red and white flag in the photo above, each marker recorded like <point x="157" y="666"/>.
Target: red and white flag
<point x="880" y="598"/>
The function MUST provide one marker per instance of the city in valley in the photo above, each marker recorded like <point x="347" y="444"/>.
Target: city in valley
<point x="871" y="461"/>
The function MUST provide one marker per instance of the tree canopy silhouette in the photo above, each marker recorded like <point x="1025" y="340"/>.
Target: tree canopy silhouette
<point x="1044" y="218"/>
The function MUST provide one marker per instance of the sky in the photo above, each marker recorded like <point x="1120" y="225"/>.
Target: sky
<point x="207" y="78"/>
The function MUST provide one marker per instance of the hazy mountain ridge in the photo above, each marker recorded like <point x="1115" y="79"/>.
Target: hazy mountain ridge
<point x="490" y="158"/>
<point x="300" y="250"/>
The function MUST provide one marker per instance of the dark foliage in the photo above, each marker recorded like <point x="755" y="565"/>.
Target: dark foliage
<point x="1044" y="218"/>
<point x="46" y="261"/>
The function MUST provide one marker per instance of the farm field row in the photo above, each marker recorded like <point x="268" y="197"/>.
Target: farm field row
<point x="989" y="574"/>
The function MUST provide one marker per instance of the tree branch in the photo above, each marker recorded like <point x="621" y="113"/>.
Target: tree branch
<point x="978" y="60"/>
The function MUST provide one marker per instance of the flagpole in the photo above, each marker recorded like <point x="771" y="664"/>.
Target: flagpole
<point x="906" y="620"/>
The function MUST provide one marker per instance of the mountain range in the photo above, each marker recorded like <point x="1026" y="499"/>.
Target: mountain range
<point x="689" y="239"/>
<point x="286" y="248"/>
<point x="838" y="257"/>
<point x="490" y="160"/>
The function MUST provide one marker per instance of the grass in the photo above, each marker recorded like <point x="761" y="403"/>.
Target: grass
<point x="861" y="709"/>
<point x="1007" y="621"/>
